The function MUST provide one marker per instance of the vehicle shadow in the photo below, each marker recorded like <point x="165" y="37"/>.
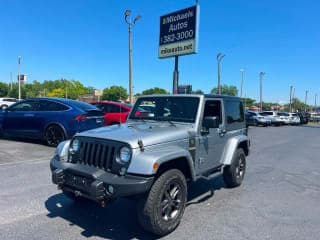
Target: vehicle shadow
<point x="23" y="140"/>
<point x="117" y="220"/>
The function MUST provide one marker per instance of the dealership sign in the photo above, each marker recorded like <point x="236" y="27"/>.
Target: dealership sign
<point x="179" y="32"/>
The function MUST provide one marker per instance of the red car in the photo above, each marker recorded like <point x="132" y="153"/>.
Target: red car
<point x="114" y="112"/>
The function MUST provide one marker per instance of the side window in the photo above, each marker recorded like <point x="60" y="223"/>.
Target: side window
<point x="212" y="108"/>
<point x="234" y="114"/>
<point x="24" y="106"/>
<point x="114" y="109"/>
<point x="124" y="110"/>
<point x="51" y="106"/>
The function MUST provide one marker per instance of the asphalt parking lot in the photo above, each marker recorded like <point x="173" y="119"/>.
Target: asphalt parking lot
<point x="279" y="198"/>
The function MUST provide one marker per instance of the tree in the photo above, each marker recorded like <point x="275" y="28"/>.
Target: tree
<point x="198" y="91"/>
<point x="114" y="93"/>
<point x="226" y="90"/>
<point x="154" y="90"/>
<point x="14" y="92"/>
<point x="297" y="105"/>
<point x="4" y="89"/>
<point x="57" y="92"/>
<point x="249" y="101"/>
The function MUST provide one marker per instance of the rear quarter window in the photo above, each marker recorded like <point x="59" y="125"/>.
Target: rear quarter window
<point x="234" y="114"/>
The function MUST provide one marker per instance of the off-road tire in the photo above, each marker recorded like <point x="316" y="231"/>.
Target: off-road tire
<point x="160" y="212"/>
<point x="54" y="135"/>
<point x="233" y="174"/>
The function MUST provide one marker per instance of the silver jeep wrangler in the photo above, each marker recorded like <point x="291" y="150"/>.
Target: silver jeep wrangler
<point x="167" y="141"/>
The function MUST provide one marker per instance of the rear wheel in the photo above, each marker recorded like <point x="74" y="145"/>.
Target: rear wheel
<point x="234" y="173"/>
<point x="54" y="135"/>
<point x="161" y="211"/>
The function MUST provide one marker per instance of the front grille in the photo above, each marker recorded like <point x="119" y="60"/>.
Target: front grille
<point x="94" y="152"/>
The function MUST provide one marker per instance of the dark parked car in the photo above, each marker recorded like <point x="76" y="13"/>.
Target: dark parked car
<point x="50" y="119"/>
<point x="304" y="117"/>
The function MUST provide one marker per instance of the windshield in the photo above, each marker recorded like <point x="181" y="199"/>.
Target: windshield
<point x="169" y="108"/>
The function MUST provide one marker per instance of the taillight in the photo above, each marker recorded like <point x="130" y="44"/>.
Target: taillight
<point x="80" y="118"/>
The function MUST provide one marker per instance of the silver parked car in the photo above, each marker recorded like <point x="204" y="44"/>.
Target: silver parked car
<point x="7" y="101"/>
<point x="285" y="117"/>
<point x="255" y="119"/>
<point x="275" y="118"/>
<point x="294" y="119"/>
<point x="153" y="155"/>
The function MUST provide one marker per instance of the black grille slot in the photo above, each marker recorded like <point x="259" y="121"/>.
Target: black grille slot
<point x="99" y="153"/>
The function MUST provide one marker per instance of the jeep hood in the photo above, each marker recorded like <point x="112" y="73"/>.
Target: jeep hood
<point x="149" y="134"/>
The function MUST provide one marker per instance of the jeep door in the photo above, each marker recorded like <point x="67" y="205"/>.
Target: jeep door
<point x="212" y="141"/>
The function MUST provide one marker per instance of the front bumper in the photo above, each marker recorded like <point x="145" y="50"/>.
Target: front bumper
<point x="96" y="184"/>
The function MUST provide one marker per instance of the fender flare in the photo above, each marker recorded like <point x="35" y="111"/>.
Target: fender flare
<point x="231" y="146"/>
<point x="144" y="161"/>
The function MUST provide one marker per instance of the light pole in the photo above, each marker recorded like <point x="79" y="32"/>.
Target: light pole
<point x="241" y="85"/>
<point x="290" y="108"/>
<point x="305" y="101"/>
<point x="19" y="83"/>
<point x="219" y="58"/>
<point x="130" y="23"/>
<point x="261" y="77"/>
<point x="315" y="102"/>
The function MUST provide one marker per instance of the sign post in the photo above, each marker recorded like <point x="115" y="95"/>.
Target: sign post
<point x="178" y="36"/>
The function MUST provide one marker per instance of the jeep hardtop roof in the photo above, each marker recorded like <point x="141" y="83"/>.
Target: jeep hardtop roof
<point x="194" y="95"/>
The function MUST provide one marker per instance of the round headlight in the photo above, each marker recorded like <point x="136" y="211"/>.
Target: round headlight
<point x="125" y="154"/>
<point x="75" y="145"/>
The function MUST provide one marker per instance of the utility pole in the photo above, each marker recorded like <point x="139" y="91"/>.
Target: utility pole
<point x="175" y="75"/>
<point x="290" y="109"/>
<point x="11" y="81"/>
<point x="305" y="101"/>
<point x="241" y="85"/>
<point x="219" y="58"/>
<point x="130" y="25"/>
<point x="261" y="77"/>
<point x="19" y="82"/>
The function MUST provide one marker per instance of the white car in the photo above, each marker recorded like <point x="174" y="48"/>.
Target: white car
<point x="275" y="118"/>
<point x="294" y="119"/>
<point x="285" y="117"/>
<point x="6" y="102"/>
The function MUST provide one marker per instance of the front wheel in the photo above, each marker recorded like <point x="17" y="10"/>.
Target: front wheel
<point x="234" y="173"/>
<point x="161" y="211"/>
<point x="54" y="135"/>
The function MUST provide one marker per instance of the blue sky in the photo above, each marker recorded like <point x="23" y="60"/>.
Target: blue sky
<point x="87" y="40"/>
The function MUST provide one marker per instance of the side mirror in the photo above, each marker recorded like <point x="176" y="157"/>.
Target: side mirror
<point x="210" y="122"/>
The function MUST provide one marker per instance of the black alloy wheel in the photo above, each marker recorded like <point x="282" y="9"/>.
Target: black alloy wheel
<point x="160" y="212"/>
<point x="54" y="135"/>
<point x="171" y="202"/>
<point x="234" y="173"/>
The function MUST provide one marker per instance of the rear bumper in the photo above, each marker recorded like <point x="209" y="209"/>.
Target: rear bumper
<point x="96" y="184"/>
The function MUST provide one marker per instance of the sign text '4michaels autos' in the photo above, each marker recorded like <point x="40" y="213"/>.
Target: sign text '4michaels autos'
<point x="178" y="32"/>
